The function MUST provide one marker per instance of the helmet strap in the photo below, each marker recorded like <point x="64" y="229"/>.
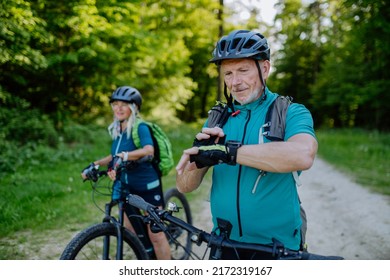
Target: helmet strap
<point x="229" y="98"/>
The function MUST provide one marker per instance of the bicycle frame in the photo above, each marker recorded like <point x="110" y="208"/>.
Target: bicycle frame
<point x="134" y="216"/>
<point x="136" y="219"/>
<point x="94" y="242"/>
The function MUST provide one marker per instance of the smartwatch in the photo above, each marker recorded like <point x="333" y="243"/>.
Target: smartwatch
<point x="232" y="147"/>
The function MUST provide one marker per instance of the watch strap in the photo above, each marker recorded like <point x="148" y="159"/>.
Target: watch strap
<point x="232" y="147"/>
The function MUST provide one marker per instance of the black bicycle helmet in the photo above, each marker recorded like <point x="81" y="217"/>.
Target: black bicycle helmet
<point x="127" y="94"/>
<point x="241" y="44"/>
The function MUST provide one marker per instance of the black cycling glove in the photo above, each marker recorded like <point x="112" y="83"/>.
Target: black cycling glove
<point x="91" y="171"/>
<point x="215" y="154"/>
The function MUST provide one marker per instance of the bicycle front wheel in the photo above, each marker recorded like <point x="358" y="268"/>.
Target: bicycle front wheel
<point x="89" y="245"/>
<point x="179" y="239"/>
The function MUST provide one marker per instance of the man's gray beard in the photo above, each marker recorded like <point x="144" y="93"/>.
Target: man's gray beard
<point x="252" y="97"/>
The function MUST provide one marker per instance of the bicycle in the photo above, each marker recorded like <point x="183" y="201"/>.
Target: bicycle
<point x="221" y="240"/>
<point x="111" y="240"/>
<point x="164" y="220"/>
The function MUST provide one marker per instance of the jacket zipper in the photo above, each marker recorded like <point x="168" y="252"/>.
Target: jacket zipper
<point x="261" y="174"/>
<point x="239" y="179"/>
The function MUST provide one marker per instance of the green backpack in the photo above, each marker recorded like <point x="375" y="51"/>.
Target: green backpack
<point x="163" y="157"/>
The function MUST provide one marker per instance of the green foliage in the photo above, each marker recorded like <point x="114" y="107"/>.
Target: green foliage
<point x="24" y="131"/>
<point x="28" y="137"/>
<point x="351" y="86"/>
<point x="66" y="58"/>
<point x="47" y="188"/>
<point x="82" y="50"/>
<point x="19" y="28"/>
<point x="334" y="58"/>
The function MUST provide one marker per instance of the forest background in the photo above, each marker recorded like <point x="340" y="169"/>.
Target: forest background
<point x="61" y="60"/>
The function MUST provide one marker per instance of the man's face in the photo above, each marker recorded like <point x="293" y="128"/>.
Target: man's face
<point x="242" y="79"/>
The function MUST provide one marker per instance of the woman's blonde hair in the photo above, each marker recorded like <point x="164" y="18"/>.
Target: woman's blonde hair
<point x="114" y="129"/>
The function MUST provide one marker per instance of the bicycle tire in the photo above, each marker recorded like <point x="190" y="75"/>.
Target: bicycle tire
<point x="179" y="239"/>
<point x="88" y="244"/>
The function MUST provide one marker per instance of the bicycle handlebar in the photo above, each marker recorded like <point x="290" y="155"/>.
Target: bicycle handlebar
<point x="118" y="165"/>
<point x="140" y="203"/>
<point x="200" y="236"/>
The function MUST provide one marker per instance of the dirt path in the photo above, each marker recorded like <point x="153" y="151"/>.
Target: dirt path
<point x="343" y="219"/>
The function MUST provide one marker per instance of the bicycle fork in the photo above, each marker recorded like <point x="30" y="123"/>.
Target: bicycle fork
<point x="119" y="232"/>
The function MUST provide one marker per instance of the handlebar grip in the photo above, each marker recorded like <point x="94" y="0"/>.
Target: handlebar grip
<point x="139" y="202"/>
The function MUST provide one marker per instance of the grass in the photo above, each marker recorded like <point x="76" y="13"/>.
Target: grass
<point x="51" y="195"/>
<point x="42" y="196"/>
<point x="362" y="154"/>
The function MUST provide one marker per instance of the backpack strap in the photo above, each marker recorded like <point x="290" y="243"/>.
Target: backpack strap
<point x="134" y="132"/>
<point x="274" y="127"/>
<point x="218" y="115"/>
<point x="137" y="143"/>
<point x="137" y="139"/>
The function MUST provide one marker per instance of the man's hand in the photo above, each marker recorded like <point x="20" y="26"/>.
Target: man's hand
<point x="215" y="134"/>
<point x="210" y="155"/>
<point x="209" y="136"/>
<point x="184" y="162"/>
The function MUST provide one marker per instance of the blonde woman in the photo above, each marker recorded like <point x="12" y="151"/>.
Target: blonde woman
<point x="141" y="177"/>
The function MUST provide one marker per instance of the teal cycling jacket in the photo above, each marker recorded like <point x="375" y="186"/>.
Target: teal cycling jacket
<point x="259" y="207"/>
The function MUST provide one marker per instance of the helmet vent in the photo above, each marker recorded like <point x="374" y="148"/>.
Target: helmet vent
<point x="223" y="45"/>
<point x="235" y="44"/>
<point x="249" y="43"/>
<point x="124" y="92"/>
